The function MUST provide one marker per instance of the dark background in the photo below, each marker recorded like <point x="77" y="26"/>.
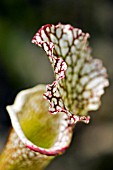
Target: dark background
<point x="23" y="65"/>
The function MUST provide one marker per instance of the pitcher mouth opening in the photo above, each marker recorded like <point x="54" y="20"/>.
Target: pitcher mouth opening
<point x="36" y="127"/>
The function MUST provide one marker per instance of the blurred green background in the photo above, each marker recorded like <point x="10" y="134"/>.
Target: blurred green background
<point x="23" y="65"/>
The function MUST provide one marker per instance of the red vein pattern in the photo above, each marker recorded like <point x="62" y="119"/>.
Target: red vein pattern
<point x="80" y="79"/>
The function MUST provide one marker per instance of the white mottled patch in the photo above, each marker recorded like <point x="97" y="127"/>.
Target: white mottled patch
<point x="18" y="151"/>
<point x="64" y="51"/>
<point x="93" y="74"/>
<point x="44" y="36"/>
<point x="64" y="36"/>
<point x="66" y="28"/>
<point x="76" y="69"/>
<point x="53" y="39"/>
<point x="47" y="29"/>
<point x="23" y="150"/>
<point x="16" y="142"/>
<point x="21" y="145"/>
<point x="60" y="103"/>
<point x="45" y="47"/>
<point x="79" y="31"/>
<point x="63" y="43"/>
<point x="75" y="78"/>
<point x="73" y="82"/>
<point x="80" y="62"/>
<point x="24" y="155"/>
<point x="94" y="99"/>
<point x="58" y="32"/>
<point x="100" y="92"/>
<point x="52" y="29"/>
<point x="68" y="60"/>
<point x="86" y="94"/>
<point x="80" y="97"/>
<point x="78" y="44"/>
<point x="15" y="155"/>
<point x="56" y="94"/>
<point x="52" y="109"/>
<point x="81" y="38"/>
<point x="86" y="69"/>
<point x="76" y="41"/>
<point x="58" y="108"/>
<point x="75" y="33"/>
<point x="93" y="106"/>
<point x="74" y="95"/>
<point x="74" y="58"/>
<point x="61" y="91"/>
<point x="54" y="100"/>
<point x="73" y="49"/>
<point x="62" y="128"/>
<point x="57" y="49"/>
<point x="31" y="154"/>
<point x="84" y="80"/>
<point x="79" y="88"/>
<point x="59" y="64"/>
<point x="94" y="82"/>
<point x="98" y="88"/>
<point x="70" y="37"/>
<point x="38" y="38"/>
